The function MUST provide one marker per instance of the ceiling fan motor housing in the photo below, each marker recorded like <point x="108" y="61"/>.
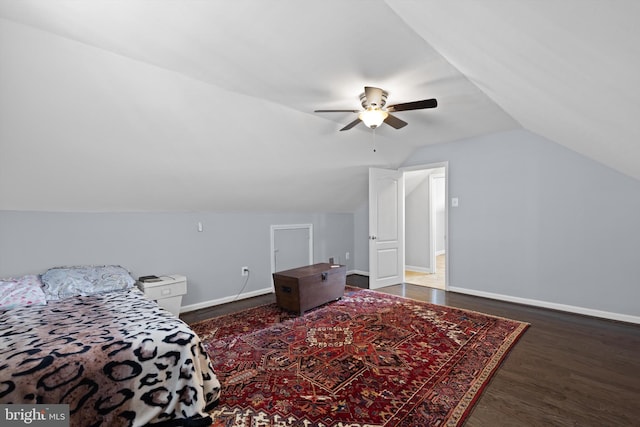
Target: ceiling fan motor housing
<point x="377" y="98"/>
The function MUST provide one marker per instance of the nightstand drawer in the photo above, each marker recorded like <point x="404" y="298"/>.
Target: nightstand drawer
<point x="166" y="291"/>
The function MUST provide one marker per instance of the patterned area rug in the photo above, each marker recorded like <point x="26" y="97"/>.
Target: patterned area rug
<point x="369" y="359"/>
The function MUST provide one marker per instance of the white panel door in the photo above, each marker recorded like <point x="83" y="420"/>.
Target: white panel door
<point x="386" y="227"/>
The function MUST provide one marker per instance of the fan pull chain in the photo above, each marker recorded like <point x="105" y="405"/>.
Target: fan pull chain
<point x="374" y="139"/>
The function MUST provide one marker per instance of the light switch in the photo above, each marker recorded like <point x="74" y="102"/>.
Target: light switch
<point x="454" y="202"/>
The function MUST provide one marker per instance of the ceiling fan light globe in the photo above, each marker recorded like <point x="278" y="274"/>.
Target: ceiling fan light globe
<point x="373" y="117"/>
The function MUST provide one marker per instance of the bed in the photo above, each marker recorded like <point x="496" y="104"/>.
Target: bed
<point x="115" y="357"/>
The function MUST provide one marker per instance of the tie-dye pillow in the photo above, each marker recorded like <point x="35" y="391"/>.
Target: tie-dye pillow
<point x="22" y="291"/>
<point x="65" y="282"/>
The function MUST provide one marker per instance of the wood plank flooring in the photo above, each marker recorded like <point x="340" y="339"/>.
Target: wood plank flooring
<point x="435" y="280"/>
<point x="566" y="370"/>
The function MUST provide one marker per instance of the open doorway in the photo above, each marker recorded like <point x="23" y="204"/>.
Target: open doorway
<point x="426" y="226"/>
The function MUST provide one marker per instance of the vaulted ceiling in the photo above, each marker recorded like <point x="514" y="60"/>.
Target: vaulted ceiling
<point x="193" y="105"/>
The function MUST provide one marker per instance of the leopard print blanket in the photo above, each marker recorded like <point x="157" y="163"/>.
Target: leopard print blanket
<point x="117" y="359"/>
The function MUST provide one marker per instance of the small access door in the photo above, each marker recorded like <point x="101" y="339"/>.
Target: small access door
<point x="291" y="246"/>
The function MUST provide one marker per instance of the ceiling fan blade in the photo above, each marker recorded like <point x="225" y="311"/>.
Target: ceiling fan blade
<point x="415" y="105"/>
<point x="374" y="96"/>
<point x="336" y="111"/>
<point x="395" y="122"/>
<point x="350" y="125"/>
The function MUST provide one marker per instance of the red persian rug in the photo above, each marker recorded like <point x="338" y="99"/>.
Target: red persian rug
<point x="369" y="359"/>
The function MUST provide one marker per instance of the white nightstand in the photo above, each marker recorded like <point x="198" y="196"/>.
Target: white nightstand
<point x="167" y="292"/>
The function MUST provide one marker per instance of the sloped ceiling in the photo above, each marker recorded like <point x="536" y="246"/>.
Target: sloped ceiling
<point x="193" y="105"/>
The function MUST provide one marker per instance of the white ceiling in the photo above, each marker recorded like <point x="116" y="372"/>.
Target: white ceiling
<point x="183" y="105"/>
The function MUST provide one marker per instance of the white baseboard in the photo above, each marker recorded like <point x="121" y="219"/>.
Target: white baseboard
<point x="552" y="305"/>
<point x="527" y="301"/>
<point x="214" y="302"/>
<point x="417" y="269"/>
<point x="211" y="303"/>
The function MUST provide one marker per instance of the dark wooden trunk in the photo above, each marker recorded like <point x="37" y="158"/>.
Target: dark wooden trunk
<point x="304" y="288"/>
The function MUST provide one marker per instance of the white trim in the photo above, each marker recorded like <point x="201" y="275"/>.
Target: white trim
<point x="418" y="269"/>
<point x="213" y="302"/>
<point x="552" y="305"/>
<point x="442" y="252"/>
<point x="527" y="301"/>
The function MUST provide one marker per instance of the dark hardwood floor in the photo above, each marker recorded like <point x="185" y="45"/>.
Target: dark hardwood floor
<point x="566" y="370"/>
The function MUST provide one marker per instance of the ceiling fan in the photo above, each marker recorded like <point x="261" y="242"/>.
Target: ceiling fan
<point x="373" y="100"/>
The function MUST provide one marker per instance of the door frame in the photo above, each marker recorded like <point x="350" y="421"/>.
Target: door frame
<point x="445" y="165"/>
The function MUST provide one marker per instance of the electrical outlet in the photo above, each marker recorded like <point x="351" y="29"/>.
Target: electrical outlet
<point x="245" y="271"/>
<point x="346" y="256"/>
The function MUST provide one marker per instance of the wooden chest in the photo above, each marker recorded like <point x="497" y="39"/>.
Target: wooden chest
<point x="304" y="288"/>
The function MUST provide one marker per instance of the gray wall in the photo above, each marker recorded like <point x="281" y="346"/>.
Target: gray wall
<point x="440" y="214"/>
<point x="165" y="243"/>
<point x="538" y="221"/>
<point x="417" y="221"/>
<point x="416" y="205"/>
<point x="361" y="239"/>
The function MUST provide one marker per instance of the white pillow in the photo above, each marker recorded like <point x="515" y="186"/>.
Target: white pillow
<point x="23" y="291"/>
